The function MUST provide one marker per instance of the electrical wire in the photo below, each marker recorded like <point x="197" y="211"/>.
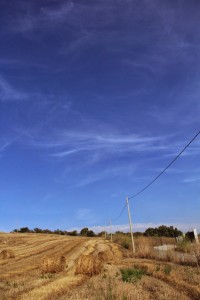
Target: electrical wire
<point x="123" y="209"/>
<point x="151" y="182"/>
<point x="148" y="185"/>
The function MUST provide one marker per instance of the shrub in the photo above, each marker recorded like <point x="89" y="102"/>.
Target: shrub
<point x="132" y="275"/>
<point x="123" y="240"/>
<point x="73" y="233"/>
<point x="125" y="244"/>
<point x="84" y="231"/>
<point x="90" y="233"/>
<point x="183" y="246"/>
<point x="167" y="269"/>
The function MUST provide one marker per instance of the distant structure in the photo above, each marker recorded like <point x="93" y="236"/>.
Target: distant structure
<point x="179" y="239"/>
<point x="196" y="236"/>
<point x="193" y="236"/>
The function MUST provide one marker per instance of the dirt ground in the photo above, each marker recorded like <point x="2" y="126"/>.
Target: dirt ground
<point x="42" y="266"/>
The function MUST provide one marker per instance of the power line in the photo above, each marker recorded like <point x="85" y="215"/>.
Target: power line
<point x="123" y="209"/>
<point x="148" y="185"/>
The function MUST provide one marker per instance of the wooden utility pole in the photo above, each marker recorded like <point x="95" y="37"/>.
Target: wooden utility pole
<point x="130" y="223"/>
<point x="111" y="239"/>
<point x="104" y="229"/>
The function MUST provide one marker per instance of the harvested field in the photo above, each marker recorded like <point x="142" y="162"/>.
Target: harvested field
<point x="160" y="281"/>
<point x="62" y="267"/>
<point x="46" y="266"/>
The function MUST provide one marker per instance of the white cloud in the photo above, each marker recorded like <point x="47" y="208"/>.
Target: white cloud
<point x="124" y="171"/>
<point x="75" y="141"/>
<point x="192" y="179"/>
<point x="9" y="93"/>
<point x="5" y="144"/>
<point x="58" y="14"/>
<point x="143" y="226"/>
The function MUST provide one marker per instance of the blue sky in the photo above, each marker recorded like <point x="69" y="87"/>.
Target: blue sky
<point x="96" y="98"/>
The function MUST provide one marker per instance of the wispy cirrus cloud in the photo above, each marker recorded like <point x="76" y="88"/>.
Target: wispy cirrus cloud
<point x="192" y="179"/>
<point x="15" y="63"/>
<point x="76" y="141"/>
<point x="39" y="101"/>
<point x="9" y="93"/>
<point x="4" y="144"/>
<point x="95" y="16"/>
<point x="7" y="61"/>
<point x="111" y="172"/>
<point x="59" y="13"/>
<point x="71" y="13"/>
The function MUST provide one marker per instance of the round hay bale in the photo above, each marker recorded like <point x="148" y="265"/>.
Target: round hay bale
<point x="118" y="255"/>
<point x="89" y="265"/>
<point x="6" y="254"/>
<point x="105" y="256"/>
<point x="54" y="264"/>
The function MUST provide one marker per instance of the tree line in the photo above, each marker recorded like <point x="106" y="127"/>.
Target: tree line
<point x="161" y="231"/>
<point x="84" y="232"/>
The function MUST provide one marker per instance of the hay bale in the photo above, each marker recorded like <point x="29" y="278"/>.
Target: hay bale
<point x="54" y="264"/>
<point x="106" y="256"/>
<point x="6" y="254"/>
<point x="89" y="265"/>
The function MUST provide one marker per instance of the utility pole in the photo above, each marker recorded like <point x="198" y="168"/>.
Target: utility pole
<point x="104" y="229"/>
<point x="130" y="223"/>
<point x="111" y="239"/>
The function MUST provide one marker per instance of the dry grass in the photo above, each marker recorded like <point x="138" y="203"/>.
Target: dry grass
<point x="195" y="250"/>
<point x="125" y="241"/>
<point x="186" y="253"/>
<point x="163" y="281"/>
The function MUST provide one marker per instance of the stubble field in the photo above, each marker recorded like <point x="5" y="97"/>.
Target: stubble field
<point x="42" y="266"/>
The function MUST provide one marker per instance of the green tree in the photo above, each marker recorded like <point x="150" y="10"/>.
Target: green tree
<point x="24" y="229"/>
<point x="73" y="233"/>
<point x="37" y="230"/>
<point x="90" y="233"/>
<point x="84" y="231"/>
<point x="163" y="231"/>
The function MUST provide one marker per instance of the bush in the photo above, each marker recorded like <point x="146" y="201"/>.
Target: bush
<point x="24" y="230"/>
<point x="84" y="231"/>
<point x="132" y="275"/>
<point x="183" y="246"/>
<point x="125" y="244"/>
<point x="73" y="233"/>
<point x="90" y="233"/>
<point x="122" y="239"/>
<point x="167" y="270"/>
